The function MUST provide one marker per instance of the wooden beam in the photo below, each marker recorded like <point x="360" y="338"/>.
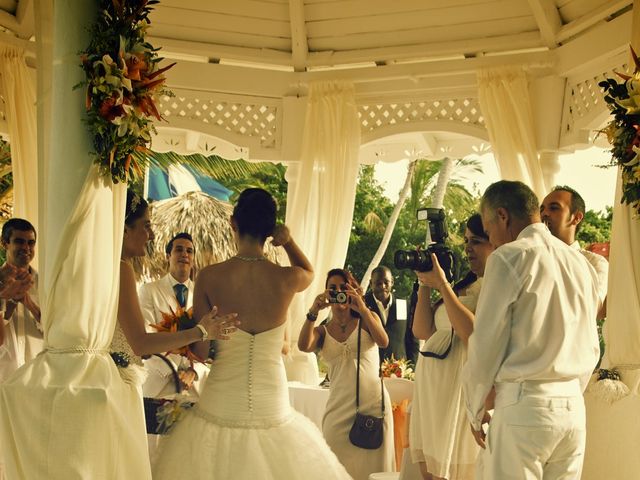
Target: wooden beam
<point x="548" y="19"/>
<point x="414" y="77"/>
<point x="211" y="50"/>
<point x="299" y="45"/>
<point x="592" y="18"/>
<point x="598" y="45"/>
<point x="433" y="50"/>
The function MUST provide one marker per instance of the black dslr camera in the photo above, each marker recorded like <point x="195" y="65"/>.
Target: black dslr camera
<point x="421" y="260"/>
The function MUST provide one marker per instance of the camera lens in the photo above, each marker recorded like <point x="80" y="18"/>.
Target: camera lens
<point x="404" y="259"/>
<point x="341" y="297"/>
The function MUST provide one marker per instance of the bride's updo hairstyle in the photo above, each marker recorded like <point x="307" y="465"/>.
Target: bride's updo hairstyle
<point x="136" y="207"/>
<point x="255" y="213"/>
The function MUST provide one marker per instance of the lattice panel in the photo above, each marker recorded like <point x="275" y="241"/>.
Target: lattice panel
<point x="585" y="96"/>
<point x="250" y="120"/>
<point x="462" y="110"/>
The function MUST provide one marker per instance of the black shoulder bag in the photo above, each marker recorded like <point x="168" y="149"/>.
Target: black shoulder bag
<point x="151" y="405"/>
<point x="367" y="430"/>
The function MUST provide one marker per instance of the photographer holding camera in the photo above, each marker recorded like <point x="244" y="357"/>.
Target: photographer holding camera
<point x="439" y="438"/>
<point x="338" y="344"/>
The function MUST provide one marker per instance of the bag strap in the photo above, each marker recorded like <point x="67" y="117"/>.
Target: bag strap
<point x="440" y="356"/>
<point x="358" y="376"/>
<point x="174" y="372"/>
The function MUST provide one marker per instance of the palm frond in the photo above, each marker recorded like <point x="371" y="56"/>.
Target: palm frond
<point x="213" y="165"/>
<point x="373" y="223"/>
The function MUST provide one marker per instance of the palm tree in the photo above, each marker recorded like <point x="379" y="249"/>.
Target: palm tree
<point x="429" y="183"/>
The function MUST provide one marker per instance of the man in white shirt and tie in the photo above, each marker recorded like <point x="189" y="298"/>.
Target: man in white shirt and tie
<point x="534" y="339"/>
<point x="563" y="211"/>
<point x="168" y="293"/>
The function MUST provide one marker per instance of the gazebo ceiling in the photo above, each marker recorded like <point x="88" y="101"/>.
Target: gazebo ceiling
<point x="243" y="64"/>
<point x="306" y="35"/>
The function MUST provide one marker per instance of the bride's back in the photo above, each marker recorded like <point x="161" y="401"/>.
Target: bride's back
<point x="257" y="290"/>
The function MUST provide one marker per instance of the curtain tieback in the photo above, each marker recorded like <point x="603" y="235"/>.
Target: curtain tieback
<point x="78" y="349"/>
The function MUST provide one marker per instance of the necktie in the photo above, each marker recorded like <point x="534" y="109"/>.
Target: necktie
<point x="181" y="294"/>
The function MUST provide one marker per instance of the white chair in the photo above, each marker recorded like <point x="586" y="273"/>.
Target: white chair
<point x="399" y="389"/>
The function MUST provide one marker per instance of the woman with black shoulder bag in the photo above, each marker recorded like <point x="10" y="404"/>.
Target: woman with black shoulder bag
<point x="358" y="421"/>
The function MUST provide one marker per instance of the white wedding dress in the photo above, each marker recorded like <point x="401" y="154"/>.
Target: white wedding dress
<point x="243" y="427"/>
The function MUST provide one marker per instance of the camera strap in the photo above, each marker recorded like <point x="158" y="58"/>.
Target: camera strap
<point x="358" y="375"/>
<point x="440" y="356"/>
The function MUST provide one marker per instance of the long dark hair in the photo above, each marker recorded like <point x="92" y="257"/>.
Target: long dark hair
<point x="474" y="224"/>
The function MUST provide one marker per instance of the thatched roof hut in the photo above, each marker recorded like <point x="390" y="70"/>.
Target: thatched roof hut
<point x="205" y="218"/>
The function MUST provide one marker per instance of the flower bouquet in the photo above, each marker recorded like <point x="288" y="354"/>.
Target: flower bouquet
<point x="181" y="319"/>
<point x="623" y="131"/>
<point x="122" y="79"/>
<point x="397" y="368"/>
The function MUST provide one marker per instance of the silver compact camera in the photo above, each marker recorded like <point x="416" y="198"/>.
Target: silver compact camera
<point x="336" y="296"/>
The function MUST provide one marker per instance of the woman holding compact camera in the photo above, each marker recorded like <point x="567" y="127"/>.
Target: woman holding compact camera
<point x="439" y="436"/>
<point x="338" y="344"/>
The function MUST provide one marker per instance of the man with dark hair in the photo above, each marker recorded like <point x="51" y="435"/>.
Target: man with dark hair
<point x="173" y="291"/>
<point x="393" y="313"/>
<point x="22" y="330"/>
<point x="535" y="339"/>
<point x="563" y="211"/>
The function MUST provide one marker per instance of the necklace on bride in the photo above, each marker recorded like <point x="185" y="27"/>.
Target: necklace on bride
<point x="250" y="259"/>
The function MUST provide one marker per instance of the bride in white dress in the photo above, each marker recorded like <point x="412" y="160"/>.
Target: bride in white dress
<point x="243" y="427"/>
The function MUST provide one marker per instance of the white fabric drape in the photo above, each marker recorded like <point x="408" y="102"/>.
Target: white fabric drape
<point x="506" y="106"/>
<point x="20" y="100"/>
<point x="322" y="191"/>
<point x="67" y="414"/>
<point x="613" y="429"/>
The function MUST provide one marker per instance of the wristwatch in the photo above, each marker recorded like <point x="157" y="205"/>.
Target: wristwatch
<point x="312" y="317"/>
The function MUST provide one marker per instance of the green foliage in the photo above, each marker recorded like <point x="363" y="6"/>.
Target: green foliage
<point x="408" y="233"/>
<point x="595" y="227"/>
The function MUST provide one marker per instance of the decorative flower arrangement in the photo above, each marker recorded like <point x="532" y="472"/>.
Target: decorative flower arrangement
<point x="181" y="319"/>
<point x="123" y="78"/>
<point x="623" y="131"/>
<point x="397" y="368"/>
<point x="171" y="411"/>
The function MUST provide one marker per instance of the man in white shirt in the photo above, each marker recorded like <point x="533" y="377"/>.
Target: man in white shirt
<point x="23" y="338"/>
<point x="165" y="295"/>
<point x="535" y="339"/>
<point x="563" y="211"/>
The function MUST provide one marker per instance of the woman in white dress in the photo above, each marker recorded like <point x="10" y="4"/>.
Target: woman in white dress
<point x="439" y="436"/>
<point x="243" y="427"/>
<point x="130" y="340"/>
<point x="338" y="341"/>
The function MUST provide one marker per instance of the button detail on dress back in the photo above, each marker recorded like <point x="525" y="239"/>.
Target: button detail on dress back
<point x="250" y="363"/>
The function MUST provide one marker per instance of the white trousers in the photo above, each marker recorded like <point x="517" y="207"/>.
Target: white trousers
<point x="537" y="432"/>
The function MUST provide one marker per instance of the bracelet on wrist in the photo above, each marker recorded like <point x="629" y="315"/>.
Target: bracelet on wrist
<point x="312" y="317"/>
<point x="205" y="334"/>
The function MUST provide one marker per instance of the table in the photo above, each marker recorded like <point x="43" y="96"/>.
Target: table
<point x="309" y="400"/>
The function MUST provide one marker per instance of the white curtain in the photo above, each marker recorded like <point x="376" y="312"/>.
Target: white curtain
<point x="506" y="106"/>
<point x="322" y="190"/>
<point x="19" y="96"/>
<point x="67" y="414"/>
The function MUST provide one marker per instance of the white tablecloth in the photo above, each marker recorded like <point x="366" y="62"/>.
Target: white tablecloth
<point x="309" y="400"/>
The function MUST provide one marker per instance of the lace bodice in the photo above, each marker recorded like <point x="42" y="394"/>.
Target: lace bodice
<point x="120" y="344"/>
